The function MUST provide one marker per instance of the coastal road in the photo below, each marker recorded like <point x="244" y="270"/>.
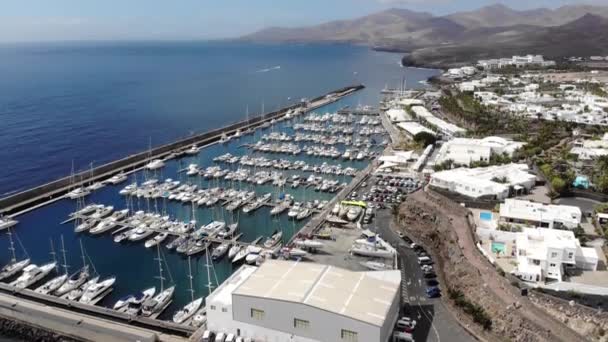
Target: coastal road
<point x="434" y="322"/>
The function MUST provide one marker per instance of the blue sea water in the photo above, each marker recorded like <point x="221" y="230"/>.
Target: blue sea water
<point x="95" y="102"/>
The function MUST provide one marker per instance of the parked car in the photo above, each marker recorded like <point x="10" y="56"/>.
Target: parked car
<point x="433" y="292"/>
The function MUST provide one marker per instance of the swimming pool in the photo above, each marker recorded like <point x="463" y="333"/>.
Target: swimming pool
<point x="485" y="216"/>
<point x="498" y="247"/>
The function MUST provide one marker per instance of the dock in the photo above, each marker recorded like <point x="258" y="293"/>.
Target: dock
<point x="36" y="197"/>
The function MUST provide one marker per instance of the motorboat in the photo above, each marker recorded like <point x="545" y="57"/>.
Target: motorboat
<point x="137" y="299"/>
<point x="353" y="213"/>
<point x="89" y="209"/>
<point x="253" y="255"/>
<point x="305" y="243"/>
<point x="156" y="240"/>
<point x="78" y="193"/>
<point x="273" y="240"/>
<point x="242" y="254"/>
<point x="229" y="231"/>
<point x="295" y="253"/>
<point x="95" y="186"/>
<point x="97" y="291"/>
<point x="140" y="233"/>
<point x="234" y="250"/>
<point x="85" y="225"/>
<point x="52" y="285"/>
<point x="76" y="293"/>
<point x="295" y="210"/>
<point x="155" y="164"/>
<point x="6" y="222"/>
<point x="188" y="311"/>
<point x="158" y="303"/>
<point x="220" y="251"/>
<point x="199" y="318"/>
<point x="336" y="209"/>
<point x="73" y="282"/>
<point x="102" y="212"/>
<point x="371" y="251"/>
<point x="13" y="268"/>
<point x="117" y="179"/>
<point x="32" y="274"/>
<point x="303" y="214"/>
<point x="376" y="266"/>
<point x="192" y="170"/>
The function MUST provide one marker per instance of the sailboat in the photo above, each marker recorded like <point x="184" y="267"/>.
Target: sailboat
<point x="77" y="279"/>
<point x="156" y="305"/>
<point x="6" y="222"/>
<point x="191" y="308"/>
<point x="14" y="266"/>
<point x="56" y="282"/>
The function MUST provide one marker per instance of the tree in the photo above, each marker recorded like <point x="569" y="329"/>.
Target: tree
<point x="425" y="138"/>
<point x="558" y="184"/>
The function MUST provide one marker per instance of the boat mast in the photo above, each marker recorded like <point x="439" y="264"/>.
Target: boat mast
<point x="160" y="269"/>
<point x="190" y="278"/>
<point x="12" y="246"/>
<point x="54" y="255"/>
<point x="65" y="261"/>
<point x="209" y="284"/>
<point x="84" y="261"/>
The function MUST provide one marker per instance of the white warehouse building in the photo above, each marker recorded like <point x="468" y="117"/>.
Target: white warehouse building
<point x="306" y="302"/>
<point x="482" y="182"/>
<point x="463" y="151"/>
<point x="540" y="215"/>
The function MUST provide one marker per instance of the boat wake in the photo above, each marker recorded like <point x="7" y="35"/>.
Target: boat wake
<point x="277" y="67"/>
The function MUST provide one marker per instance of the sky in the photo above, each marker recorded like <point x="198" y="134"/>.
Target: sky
<point x="56" y="20"/>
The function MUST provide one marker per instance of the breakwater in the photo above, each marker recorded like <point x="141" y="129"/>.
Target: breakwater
<point x="20" y="202"/>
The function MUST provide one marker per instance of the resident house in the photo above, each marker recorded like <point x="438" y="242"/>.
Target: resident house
<point x="463" y="151"/>
<point x="306" y="302"/>
<point x="546" y="254"/>
<point x="526" y="213"/>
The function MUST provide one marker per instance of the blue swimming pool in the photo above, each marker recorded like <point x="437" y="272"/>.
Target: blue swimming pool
<point x="485" y="216"/>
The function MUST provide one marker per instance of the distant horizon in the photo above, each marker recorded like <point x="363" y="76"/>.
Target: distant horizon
<point x="190" y="20"/>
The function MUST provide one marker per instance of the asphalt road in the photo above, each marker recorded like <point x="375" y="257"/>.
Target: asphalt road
<point x="434" y="322"/>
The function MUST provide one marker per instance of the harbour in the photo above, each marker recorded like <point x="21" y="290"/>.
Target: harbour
<point x="212" y="184"/>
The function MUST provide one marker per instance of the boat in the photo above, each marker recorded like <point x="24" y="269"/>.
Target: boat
<point x="191" y="308"/>
<point x="138" y="299"/>
<point x="375" y="266"/>
<point x="220" y="251"/>
<point x="6" y="222"/>
<point x="155" y="164"/>
<point x="253" y="255"/>
<point x="85" y="225"/>
<point x="13" y="268"/>
<point x="336" y="209"/>
<point x="192" y="170"/>
<point x="89" y="209"/>
<point x="32" y="274"/>
<point x="199" y="318"/>
<point x="243" y="253"/>
<point x="295" y="210"/>
<point x="304" y="214"/>
<point x="234" y="250"/>
<point x="294" y="252"/>
<point x="78" y="193"/>
<point x="158" y="303"/>
<point x="75" y="294"/>
<point x="229" y="231"/>
<point x="305" y="243"/>
<point x="75" y="281"/>
<point x="97" y="291"/>
<point x="176" y="242"/>
<point x="371" y="251"/>
<point x="273" y="240"/>
<point x="260" y="201"/>
<point x="107" y="224"/>
<point x="95" y="186"/>
<point x="102" y="212"/>
<point x="52" y="285"/>
<point x="353" y="213"/>
<point x="117" y="179"/>
<point x="156" y="240"/>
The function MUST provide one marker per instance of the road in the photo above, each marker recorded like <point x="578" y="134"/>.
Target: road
<point x="434" y="322"/>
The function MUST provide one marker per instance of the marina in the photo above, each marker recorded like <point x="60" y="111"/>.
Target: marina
<point x="215" y="206"/>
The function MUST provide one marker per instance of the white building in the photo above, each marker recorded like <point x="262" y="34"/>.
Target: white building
<point x="590" y="149"/>
<point x="306" y="302"/>
<point x="540" y="215"/>
<point x="463" y="151"/>
<point x="482" y="182"/>
<point x="442" y="126"/>
<point x="412" y="128"/>
<point x="546" y="253"/>
<point x="397" y="115"/>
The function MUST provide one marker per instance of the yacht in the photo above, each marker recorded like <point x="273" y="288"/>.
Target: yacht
<point x="13" y="268"/>
<point x="95" y="186"/>
<point x="229" y="231"/>
<point x="76" y="293"/>
<point x="32" y="274"/>
<point x="97" y="291"/>
<point x="138" y="299"/>
<point x="305" y="243"/>
<point x="193" y="150"/>
<point x="274" y="240"/>
<point x="253" y="255"/>
<point x="102" y="212"/>
<point x="73" y="282"/>
<point x="353" y="213"/>
<point x="89" y="209"/>
<point x="220" y="251"/>
<point x="52" y="285"/>
<point x="303" y="214"/>
<point x="117" y="179"/>
<point x="78" y="193"/>
<point x="199" y="318"/>
<point x="295" y="210"/>
<point x="155" y="164"/>
<point x="85" y="225"/>
<point x="192" y="170"/>
<point x="6" y="222"/>
<point x="188" y="311"/>
<point x="376" y="266"/>
<point x="156" y="240"/>
<point x="158" y="303"/>
<point x="234" y="250"/>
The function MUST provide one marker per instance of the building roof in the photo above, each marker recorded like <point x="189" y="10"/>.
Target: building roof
<point x="397" y="115"/>
<point x="356" y="295"/>
<point x="539" y="212"/>
<point x="413" y="128"/>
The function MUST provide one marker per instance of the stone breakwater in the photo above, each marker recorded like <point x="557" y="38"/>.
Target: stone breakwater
<point x="11" y="330"/>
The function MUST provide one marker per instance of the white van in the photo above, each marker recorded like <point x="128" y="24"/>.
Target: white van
<point x="230" y="338"/>
<point x="220" y="337"/>
<point x="207" y="336"/>
<point x="400" y="336"/>
<point x="424" y="260"/>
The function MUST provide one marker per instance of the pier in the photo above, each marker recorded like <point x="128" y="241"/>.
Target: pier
<point x="24" y="201"/>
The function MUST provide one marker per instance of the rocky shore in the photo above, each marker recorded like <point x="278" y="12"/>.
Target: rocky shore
<point x="11" y="330"/>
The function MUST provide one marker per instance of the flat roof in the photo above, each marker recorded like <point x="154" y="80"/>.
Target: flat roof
<point x="355" y="295"/>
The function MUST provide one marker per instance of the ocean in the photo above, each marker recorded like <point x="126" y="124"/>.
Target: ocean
<point x="89" y="103"/>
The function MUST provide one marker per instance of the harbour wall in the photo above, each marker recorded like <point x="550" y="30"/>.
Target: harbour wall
<point x="23" y="200"/>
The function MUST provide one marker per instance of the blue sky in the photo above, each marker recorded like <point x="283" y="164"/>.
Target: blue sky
<point x="44" y="20"/>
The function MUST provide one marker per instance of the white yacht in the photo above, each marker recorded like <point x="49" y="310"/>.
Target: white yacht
<point x="156" y="240"/>
<point x="52" y="285"/>
<point x="74" y="282"/>
<point x="234" y="250"/>
<point x="95" y="292"/>
<point x="303" y="214"/>
<point x="155" y="164"/>
<point x="353" y="212"/>
<point x="76" y="293"/>
<point x="193" y="150"/>
<point x="158" y="303"/>
<point x="32" y="274"/>
<point x="220" y="251"/>
<point x="188" y="311"/>
<point x="305" y="243"/>
<point x="295" y="210"/>
<point x="13" y="268"/>
<point x="117" y="179"/>
<point x="6" y="222"/>
<point x="273" y="240"/>
<point x="137" y="299"/>
<point x="78" y="193"/>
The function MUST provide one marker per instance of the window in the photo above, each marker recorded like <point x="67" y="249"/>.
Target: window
<point x="212" y="307"/>
<point x="348" y="335"/>
<point x="552" y="265"/>
<point x="224" y="310"/>
<point x="257" y="314"/>
<point x="301" y="323"/>
<point x="570" y="255"/>
<point x="553" y="254"/>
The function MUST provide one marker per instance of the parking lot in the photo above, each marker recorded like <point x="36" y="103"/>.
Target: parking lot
<point x="433" y="320"/>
